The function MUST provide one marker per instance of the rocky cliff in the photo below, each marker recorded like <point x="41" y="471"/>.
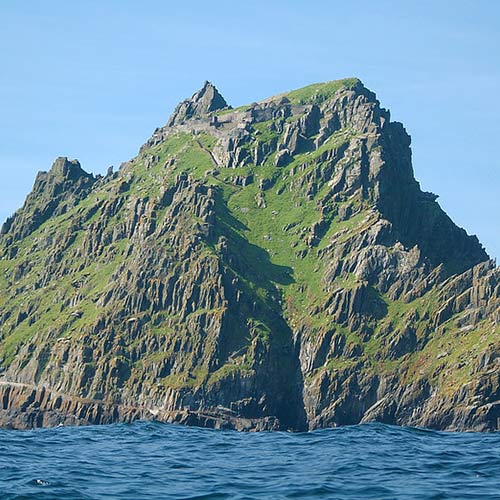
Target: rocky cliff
<point x="273" y="266"/>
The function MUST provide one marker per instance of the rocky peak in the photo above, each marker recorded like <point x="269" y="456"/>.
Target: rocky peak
<point x="62" y="187"/>
<point x="64" y="169"/>
<point x="202" y="103"/>
<point x="63" y="174"/>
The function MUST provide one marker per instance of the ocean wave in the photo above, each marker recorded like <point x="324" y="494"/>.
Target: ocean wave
<point x="159" y="461"/>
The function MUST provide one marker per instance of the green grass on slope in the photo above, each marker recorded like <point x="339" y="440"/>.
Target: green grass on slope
<point x="453" y="355"/>
<point x="311" y="94"/>
<point x="320" y="92"/>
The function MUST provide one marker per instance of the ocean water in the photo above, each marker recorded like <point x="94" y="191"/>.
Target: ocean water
<point x="159" y="461"/>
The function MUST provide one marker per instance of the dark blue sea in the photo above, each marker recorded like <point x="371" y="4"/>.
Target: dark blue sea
<point x="158" y="461"/>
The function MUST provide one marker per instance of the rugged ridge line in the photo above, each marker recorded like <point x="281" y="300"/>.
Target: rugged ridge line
<point x="273" y="266"/>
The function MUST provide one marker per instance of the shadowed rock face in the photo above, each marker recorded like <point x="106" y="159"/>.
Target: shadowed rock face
<point x="274" y="266"/>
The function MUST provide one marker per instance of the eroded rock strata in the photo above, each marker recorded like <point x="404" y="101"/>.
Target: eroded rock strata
<point x="274" y="266"/>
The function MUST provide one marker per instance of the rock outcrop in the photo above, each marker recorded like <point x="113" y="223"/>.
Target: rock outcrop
<point x="54" y="193"/>
<point x="202" y="104"/>
<point x="274" y="266"/>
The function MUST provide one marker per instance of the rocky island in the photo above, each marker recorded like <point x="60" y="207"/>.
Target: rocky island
<point x="270" y="267"/>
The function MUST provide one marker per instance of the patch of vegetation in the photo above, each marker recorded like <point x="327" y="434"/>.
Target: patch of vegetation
<point x="320" y="92"/>
<point x="186" y="380"/>
<point x="227" y="371"/>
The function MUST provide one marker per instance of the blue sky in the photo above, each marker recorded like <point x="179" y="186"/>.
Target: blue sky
<point x="91" y="80"/>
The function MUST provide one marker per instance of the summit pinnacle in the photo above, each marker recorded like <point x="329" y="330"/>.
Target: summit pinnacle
<point x="202" y="103"/>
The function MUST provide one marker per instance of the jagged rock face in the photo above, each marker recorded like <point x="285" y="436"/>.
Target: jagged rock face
<point x="274" y="266"/>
